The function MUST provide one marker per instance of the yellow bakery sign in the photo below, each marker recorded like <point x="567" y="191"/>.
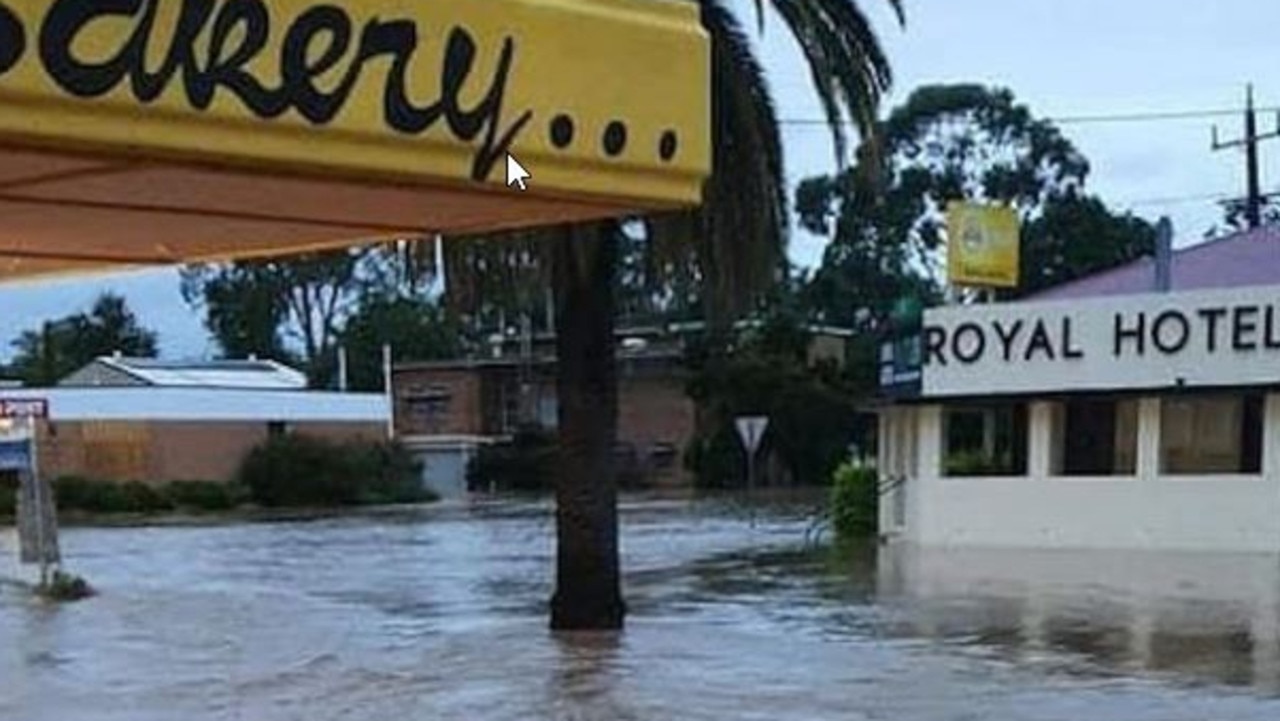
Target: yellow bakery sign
<point x="606" y="99"/>
<point x="982" y="245"/>
<point x="138" y="133"/>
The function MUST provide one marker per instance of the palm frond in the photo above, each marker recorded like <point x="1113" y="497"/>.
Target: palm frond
<point x="847" y="64"/>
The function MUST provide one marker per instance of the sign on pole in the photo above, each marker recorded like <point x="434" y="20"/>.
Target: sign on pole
<point x="982" y="245"/>
<point x="751" y="429"/>
<point x="37" y="516"/>
<point x="24" y="408"/>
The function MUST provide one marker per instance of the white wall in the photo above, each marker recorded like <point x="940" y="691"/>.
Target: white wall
<point x="1221" y="513"/>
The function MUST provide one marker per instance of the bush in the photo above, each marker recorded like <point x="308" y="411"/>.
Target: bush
<point x="298" y="470"/>
<point x="204" y="495"/>
<point x="66" y="587"/>
<point x="526" y="463"/>
<point x="8" y="493"/>
<point x="855" y="501"/>
<point x="978" y="463"/>
<point x="74" y="493"/>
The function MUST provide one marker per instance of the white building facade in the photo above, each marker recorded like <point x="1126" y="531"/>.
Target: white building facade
<point x="1146" y="420"/>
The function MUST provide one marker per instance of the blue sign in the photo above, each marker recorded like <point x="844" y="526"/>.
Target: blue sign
<point x="900" y="366"/>
<point x="15" y="455"/>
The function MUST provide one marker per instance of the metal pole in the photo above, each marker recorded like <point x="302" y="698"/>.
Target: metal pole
<point x="389" y="391"/>
<point x="751" y="486"/>
<point x="37" y="495"/>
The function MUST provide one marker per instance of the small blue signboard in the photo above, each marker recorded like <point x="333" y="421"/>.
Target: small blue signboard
<point x="15" y="455"/>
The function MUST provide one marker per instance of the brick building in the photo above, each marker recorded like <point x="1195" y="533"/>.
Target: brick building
<point x="446" y="410"/>
<point x="155" y="421"/>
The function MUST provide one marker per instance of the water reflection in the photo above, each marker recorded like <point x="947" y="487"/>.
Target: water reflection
<point x="1202" y="617"/>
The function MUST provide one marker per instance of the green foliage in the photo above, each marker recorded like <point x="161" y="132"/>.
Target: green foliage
<point x="204" y="495"/>
<point x="8" y="493"/>
<point x="417" y="330"/>
<point x="74" y="493"/>
<point x="1077" y="236"/>
<point x="526" y="463"/>
<point x="255" y="306"/>
<point x="64" y="587"/>
<point x="812" y="418"/>
<point x="955" y="142"/>
<point x="298" y="470"/>
<point x="43" y="357"/>
<point x="978" y="463"/>
<point x="855" y="501"/>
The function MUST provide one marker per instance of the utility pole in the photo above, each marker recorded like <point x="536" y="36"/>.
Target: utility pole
<point x="1254" y="198"/>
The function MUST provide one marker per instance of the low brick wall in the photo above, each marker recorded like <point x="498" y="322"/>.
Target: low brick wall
<point x="157" y="452"/>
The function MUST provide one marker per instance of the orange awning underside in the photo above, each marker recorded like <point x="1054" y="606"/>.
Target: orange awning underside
<point x="67" y="213"/>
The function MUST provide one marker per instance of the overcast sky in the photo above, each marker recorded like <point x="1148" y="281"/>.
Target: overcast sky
<point x="1065" y="58"/>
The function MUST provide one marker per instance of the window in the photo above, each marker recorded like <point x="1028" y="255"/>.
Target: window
<point x="985" y="440"/>
<point x="1211" y="434"/>
<point x="1095" y="437"/>
<point x="429" y="406"/>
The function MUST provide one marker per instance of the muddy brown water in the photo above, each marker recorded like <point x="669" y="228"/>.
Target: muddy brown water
<point x="439" y="613"/>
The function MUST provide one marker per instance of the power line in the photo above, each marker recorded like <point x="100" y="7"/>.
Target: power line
<point x="1126" y="117"/>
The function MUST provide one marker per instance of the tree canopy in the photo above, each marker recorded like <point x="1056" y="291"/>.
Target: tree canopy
<point x="886" y="215"/>
<point x="44" y="356"/>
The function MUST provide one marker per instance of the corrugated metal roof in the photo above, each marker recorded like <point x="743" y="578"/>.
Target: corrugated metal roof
<point x="257" y="374"/>
<point x="141" y="403"/>
<point x="1243" y="259"/>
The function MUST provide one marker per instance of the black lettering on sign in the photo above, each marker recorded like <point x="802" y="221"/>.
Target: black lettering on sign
<point x="1244" y="327"/>
<point x="1006" y="336"/>
<point x="976" y="347"/>
<point x="1040" y="341"/>
<point x="1136" y="334"/>
<point x="1170" y="343"/>
<point x="1271" y="337"/>
<point x="1211" y="317"/>
<point x="299" y="72"/>
<point x="316" y="43"/>
<point x="1068" y="349"/>
<point x="13" y="39"/>
<point x="935" y="340"/>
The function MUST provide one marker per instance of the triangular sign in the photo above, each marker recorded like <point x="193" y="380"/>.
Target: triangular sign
<point x="751" y="429"/>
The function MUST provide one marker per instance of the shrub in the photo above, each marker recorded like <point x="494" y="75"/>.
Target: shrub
<point x="526" y="463"/>
<point x="978" y="463"/>
<point x="141" y="498"/>
<point x="8" y="493"/>
<point x="66" y="587"/>
<point x="74" y="493"/>
<point x="204" y="495"/>
<point x="855" y="501"/>
<point x="298" y="470"/>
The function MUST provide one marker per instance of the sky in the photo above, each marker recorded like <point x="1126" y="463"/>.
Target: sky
<point x="1064" y="58"/>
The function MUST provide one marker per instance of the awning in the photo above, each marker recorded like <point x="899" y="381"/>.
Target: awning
<point x="143" y="132"/>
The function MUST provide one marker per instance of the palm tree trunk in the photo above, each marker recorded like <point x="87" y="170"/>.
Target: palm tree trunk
<point x="588" y="589"/>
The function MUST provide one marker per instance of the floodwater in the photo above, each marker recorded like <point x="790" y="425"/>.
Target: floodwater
<point x="440" y="614"/>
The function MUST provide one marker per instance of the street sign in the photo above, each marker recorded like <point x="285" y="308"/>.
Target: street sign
<point x="751" y="429"/>
<point x="24" y="408"/>
<point x="15" y="455"/>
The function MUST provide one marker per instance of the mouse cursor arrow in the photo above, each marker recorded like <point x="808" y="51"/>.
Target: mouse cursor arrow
<point x="516" y="174"/>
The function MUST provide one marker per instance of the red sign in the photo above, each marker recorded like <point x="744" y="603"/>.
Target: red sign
<point x="24" y="408"/>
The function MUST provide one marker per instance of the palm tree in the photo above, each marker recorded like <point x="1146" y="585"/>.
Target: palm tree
<point x="737" y="240"/>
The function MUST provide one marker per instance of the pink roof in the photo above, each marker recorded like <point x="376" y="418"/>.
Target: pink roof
<point x="1241" y="259"/>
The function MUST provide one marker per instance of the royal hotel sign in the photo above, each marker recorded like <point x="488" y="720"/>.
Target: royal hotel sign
<point x="1170" y="340"/>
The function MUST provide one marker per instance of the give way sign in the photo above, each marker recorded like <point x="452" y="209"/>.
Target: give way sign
<point x="751" y="429"/>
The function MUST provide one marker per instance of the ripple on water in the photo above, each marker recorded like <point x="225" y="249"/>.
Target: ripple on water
<point x="441" y="615"/>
